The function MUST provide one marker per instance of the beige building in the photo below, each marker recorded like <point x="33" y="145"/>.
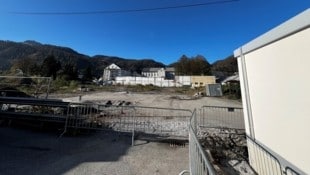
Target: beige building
<point x="201" y="81"/>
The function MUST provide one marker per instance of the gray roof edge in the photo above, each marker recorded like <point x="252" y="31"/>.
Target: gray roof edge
<point x="293" y="25"/>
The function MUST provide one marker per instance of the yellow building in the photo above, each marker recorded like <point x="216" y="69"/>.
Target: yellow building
<point x="200" y="81"/>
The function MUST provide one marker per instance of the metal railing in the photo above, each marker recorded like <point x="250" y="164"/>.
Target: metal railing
<point x="221" y="117"/>
<point x="199" y="162"/>
<point x="261" y="160"/>
<point x="130" y="119"/>
<point x="290" y="171"/>
<point x="264" y="162"/>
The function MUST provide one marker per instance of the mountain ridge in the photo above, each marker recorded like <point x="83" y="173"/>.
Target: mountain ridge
<point x="11" y="51"/>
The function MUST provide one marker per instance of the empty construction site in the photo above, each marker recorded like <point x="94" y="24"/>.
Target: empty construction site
<point x="121" y="132"/>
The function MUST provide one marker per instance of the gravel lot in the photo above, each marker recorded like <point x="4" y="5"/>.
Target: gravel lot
<point x="152" y="100"/>
<point x="23" y="151"/>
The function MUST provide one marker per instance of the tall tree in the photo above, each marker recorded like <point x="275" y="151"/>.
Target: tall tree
<point x="193" y="66"/>
<point x="27" y="65"/>
<point x="87" y="74"/>
<point x="50" y="66"/>
<point x="69" y="71"/>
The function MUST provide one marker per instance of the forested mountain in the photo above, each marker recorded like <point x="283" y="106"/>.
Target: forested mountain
<point x="227" y="66"/>
<point x="12" y="52"/>
<point x="31" y="54"/>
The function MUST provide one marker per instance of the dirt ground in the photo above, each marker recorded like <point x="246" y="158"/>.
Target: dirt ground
<point x="31" y="152"/>
<point x="165" y="100"/>
<point x="28" y="152"/>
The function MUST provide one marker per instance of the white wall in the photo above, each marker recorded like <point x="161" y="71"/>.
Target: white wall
<point x="275" y="88"/>
<point x="183" y="80"/>
<point x="160" y="82"/>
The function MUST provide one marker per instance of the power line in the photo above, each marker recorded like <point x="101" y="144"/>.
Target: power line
<point x="124" y="11"/>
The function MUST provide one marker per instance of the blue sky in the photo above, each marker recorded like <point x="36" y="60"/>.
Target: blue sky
<point x="213" y="31"/>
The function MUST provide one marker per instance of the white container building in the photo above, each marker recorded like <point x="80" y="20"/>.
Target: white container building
<point x="274" y="74"/>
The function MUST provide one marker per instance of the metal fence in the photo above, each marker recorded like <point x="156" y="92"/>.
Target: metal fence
<point x="199" y="162"/>
<point x="264" y="162"/>
<point x="290" y="171"/>
<point x="221" y="117"/>
<point x="148" y="120"/>
<point x="261" y="160"/>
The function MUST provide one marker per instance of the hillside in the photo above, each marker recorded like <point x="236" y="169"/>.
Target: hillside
<point x="227" y="66"/>
<point x="11" y="51"/>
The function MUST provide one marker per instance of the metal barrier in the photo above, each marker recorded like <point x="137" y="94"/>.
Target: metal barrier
<point x="262" y="160"/>
<point x="199" y="163"/>
<point x="100" y="117"/>
<point x="162" y="121"/>
<point x="149" y="120"/>
<point x="290" y="171"/>
<point x="221" y="117"/>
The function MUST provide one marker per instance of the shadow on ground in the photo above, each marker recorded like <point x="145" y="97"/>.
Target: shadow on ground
<point x="29" y="152"/>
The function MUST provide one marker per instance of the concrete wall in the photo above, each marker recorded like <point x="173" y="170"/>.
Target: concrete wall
<point x="183" y="80"/>
<point x="160" y="82"/>
<point x="274" y="70"/>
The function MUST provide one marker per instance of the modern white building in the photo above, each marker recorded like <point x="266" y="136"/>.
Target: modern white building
<point x="273" y="71"/>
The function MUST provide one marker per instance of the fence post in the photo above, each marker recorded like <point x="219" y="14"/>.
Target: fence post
<point x="133" y="128"/>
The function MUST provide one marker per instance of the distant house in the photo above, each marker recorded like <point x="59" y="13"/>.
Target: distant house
<point x="167" y="73"/>
<point x="113" y="71"/>
<point x="201" y="81"/>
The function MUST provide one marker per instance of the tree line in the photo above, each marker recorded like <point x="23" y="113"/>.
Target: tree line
<point x="51" y="67"/>
<point x="197" y="65"/>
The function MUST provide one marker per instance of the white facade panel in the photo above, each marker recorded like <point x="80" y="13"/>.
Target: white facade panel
<point x="275" y="96"/>
<point x="183" y="80"/>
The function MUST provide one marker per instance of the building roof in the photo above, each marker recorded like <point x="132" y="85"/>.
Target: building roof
<point x="170" y="69"/>
<point x="113" y="66"/>
<point x="155" y="69"/>
<point x="297" y="23"/>
<point x="151" y="69"/>
<point x="233" y="78"/>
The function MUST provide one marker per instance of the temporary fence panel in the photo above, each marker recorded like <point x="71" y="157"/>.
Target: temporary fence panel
<point x="290" y="171"/>
<point x="199" y="162"/>
<point x="221" y="117"/>
<point x="162" y="121"/>
<point x="261" y="160"/>
<point x="149" y="120"/>
<point x="100" y="117"/>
